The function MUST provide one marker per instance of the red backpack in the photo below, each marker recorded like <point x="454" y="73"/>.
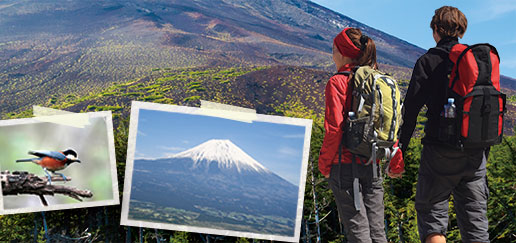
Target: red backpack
<point x="480" y="106"/>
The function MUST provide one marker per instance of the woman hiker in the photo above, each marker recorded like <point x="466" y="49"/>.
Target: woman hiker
<point x="352" y="48"/>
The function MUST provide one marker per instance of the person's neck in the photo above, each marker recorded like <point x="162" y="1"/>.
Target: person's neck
<point x="344" y="66"/>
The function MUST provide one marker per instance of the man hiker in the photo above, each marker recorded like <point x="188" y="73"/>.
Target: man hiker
<point x="447" y="169"/>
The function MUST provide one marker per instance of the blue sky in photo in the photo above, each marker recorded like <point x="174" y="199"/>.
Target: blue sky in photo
<point x="489" y="21"/>
<point x="278" y="147"/>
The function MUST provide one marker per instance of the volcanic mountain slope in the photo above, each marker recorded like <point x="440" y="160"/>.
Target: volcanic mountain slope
<point x="214" y="184"/>
<point x="277" y="90"/>
<point x="76" y="47"/>
<point x="225" y="154"/>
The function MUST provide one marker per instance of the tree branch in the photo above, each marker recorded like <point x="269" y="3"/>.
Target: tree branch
<point x="22" y="182"/>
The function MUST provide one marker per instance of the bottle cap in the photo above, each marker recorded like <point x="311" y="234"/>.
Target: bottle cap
<point x="451" y="100"/>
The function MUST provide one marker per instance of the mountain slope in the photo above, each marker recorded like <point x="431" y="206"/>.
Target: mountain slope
<point x="76" y="47"/>
<point x="222" y="189"/>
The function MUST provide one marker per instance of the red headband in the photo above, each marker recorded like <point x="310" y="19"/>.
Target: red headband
<point x="345" y="45"/>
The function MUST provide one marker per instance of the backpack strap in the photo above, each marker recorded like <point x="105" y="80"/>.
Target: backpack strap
<point x="356" y="185"/>
<point x="450" y="68"/>
<point x="373" y="157"/>
<point x="457" y="64"/>
<point x="345" y="73"/>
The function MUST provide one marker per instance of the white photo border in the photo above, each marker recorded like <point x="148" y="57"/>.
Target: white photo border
<point x="112" y="161"/>
<point x="131" y="148"/>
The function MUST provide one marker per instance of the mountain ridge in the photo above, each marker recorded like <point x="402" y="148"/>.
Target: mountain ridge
<point x="225" y="153"/>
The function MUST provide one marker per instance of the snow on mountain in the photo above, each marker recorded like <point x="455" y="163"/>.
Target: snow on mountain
<point x="223" y="152"/>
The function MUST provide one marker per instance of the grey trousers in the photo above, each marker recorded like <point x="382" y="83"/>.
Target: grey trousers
<point x="442" y="172"/>
<point x="366" y="225"/>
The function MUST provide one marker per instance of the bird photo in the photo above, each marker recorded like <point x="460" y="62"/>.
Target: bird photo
<point x="53" y="166"/>
<point x="53" y="161"/>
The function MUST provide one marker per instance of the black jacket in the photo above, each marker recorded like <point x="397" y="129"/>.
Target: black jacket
<point x="427" y="87"/>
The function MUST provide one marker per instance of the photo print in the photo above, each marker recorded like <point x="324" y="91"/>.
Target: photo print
<point x="189" y="171"/>
<point x="46" y="165"/>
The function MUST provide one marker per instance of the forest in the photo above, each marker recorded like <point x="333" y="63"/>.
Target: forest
<point x="275" y="90"/>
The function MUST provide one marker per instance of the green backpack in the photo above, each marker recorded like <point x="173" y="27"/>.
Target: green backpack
<point x="372" y="131"/>
<point x="376" y="102"/>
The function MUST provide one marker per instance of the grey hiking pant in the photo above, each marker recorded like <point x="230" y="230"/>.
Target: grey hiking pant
<point x="366" y="225"/>
<point x="442" y="172"/>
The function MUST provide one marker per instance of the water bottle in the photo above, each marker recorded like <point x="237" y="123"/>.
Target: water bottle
<point x="352" y="138"/>
<point x="449" y="109"/>
<point x="351" y="115"/>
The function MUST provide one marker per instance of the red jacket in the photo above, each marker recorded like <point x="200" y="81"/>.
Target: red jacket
<point x="338" y="104"/>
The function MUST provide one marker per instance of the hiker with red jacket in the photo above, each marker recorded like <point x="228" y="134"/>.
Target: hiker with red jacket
<point x="366" y="224"/>
<point x="465" y="114"/>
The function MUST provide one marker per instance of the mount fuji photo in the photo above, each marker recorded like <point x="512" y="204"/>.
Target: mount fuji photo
<point x="214" y="175"/>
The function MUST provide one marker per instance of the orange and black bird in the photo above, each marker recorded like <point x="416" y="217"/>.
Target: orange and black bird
<point x="53" y="160"/>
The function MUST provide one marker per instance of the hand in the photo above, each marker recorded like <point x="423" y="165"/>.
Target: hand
<point x="397" y="164"/>
<point x="394" y="175"/>
<point x="327" y="176"/>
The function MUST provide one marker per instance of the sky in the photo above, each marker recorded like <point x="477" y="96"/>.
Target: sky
<point x="278" y="147"/>
<point x="491" y="21"/>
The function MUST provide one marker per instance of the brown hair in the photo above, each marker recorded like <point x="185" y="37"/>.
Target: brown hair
<point x="366" y="46"/>
<point x="449" y="22"/>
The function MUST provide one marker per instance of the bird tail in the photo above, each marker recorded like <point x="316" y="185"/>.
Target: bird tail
<point x="24" y="160"/>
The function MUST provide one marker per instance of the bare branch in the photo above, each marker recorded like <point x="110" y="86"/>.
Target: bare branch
<point x="22" y="182"/>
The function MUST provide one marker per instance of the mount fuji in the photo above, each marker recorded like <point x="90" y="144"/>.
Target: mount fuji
<point x="225" y="154"/>
<point x="216" y="185"/>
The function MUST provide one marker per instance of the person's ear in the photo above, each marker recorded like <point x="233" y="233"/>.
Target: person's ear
<point x="436" y="35"/>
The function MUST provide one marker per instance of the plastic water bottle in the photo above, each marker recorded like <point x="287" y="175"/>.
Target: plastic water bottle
<point x="449" y="109"/>
<point x="351" y="115"/>
<point x="352" y="137"/>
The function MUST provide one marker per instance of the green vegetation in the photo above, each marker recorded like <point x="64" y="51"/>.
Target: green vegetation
<point x="78" y="70"/>
<point x="103" y="108"/>
<point x="210" y="218"/>
<point x="287" y="91"/>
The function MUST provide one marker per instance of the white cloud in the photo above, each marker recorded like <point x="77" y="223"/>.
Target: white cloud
<point x="299" y="135"/>
<point x="492" y="9"/>
<point x="138" y="155"/>
<point x="173" y="148"/>
<point x="288" y="152"/>
<point x="167" y="155"/>
<point x="169" y="151"/>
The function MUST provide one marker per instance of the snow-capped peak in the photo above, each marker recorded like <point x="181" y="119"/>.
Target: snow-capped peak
<point x="225" y="153"/>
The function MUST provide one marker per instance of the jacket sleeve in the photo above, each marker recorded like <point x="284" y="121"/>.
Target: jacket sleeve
<point x="335" y="95"/>
<point x="416" y="97"/>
